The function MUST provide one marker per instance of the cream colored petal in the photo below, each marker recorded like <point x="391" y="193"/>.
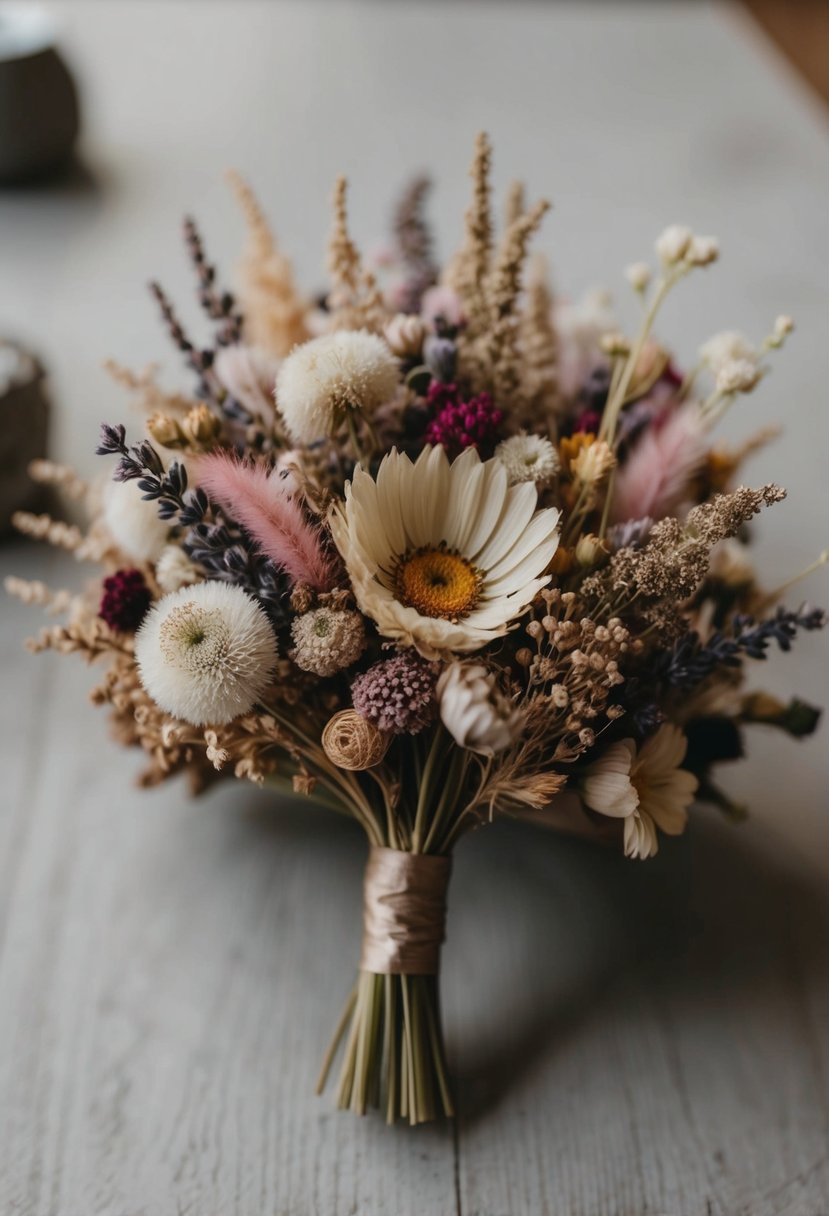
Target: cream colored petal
<point x="388" y="504"/>
<point x="542" y="527"/>
<point x="519" y="507"/>
<point x="491" y="507"/>
<point x="467" y="484"/>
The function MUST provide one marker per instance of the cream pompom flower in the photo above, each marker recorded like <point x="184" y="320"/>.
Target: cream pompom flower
<point x="528" y="458"/>
<point x="442" y="557"/>
<point x="205" y="653"/>
<point x="646" y="788"/>
<point x="133" y="522"/>
<point x="323" y="379"/>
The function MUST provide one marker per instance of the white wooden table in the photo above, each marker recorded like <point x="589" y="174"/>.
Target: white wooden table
<point x="628" y="1038"/>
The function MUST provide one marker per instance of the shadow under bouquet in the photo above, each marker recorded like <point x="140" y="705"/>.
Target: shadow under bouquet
<point x="429" y="550"/>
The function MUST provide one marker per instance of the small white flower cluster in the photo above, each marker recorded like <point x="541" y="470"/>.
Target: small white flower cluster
<point x="474" y="710"/>
<point x="323" y="379"/>
<point x="528" y="458"/>
<point x="327" y="640"/>
<point x="678" y="245"/>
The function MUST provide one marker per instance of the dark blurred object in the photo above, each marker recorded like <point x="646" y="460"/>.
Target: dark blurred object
<point x="24" y="419"/>
<point x="39" y="118"/>
<point x="801" y="30"/>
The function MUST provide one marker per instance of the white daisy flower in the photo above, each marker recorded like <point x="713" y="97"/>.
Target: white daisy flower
<point x="442" y="557"/>
<point x="528" y="458"/>
<point x="474" y="710"/>
<point x="205" y="653"/>
<point x="324" y="378"/>
<point x="646" y="788"/>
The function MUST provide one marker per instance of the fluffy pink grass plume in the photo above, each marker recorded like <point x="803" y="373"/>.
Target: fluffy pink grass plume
<point x="656" y="477"/>
<point x="264" y="505"/>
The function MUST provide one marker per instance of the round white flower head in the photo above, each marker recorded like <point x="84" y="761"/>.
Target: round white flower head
<point x="474" y="710"/>
<point x="205" y="653"/>
<point x="174" y="569"/>
<point x="673" y="243"/>
<point x="702" y="251"/>
<point x="738" y="376"/>
<point x="724" y="348"/>
<point x="647" y="788"/>
<point x="442" y="557"/>
<point x="327" y="640"/>
<point x="528" y="458"/>
<point x="133" y="522"/>
<point x="638" y="274"/>
<point x="324" y="378"/>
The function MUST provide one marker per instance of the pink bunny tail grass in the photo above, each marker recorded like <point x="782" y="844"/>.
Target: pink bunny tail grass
<point x="656" y="477"/>
<point x="258" y="499"/>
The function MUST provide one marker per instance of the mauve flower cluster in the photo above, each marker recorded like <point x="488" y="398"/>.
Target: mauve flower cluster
<point x="397" y="695"/>
<point x="125" y="601"/>
<point x="461" y="424"/>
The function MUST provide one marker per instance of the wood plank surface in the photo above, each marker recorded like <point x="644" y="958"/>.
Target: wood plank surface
<point x="629" y="1039"/>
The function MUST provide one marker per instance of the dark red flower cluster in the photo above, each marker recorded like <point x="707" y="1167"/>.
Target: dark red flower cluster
<point x="125" y="601"/>
<point x="462" y="424"/>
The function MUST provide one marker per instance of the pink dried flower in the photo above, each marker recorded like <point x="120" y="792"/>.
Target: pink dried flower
<point x="263" y="504"/>
<point x="656" y="476"/>
<point x="126" y="600"/>
<point x="462" y="424"/>
<point x="397" y="695"/>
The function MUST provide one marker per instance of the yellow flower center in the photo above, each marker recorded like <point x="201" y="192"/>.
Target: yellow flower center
<point x="436" y="582"/>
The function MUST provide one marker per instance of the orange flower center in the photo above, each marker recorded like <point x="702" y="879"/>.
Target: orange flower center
<point x="436" y="582"/>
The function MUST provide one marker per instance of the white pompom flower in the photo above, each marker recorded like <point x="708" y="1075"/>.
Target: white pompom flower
<point x="133" y="522"/>
<point x="174" y="569"/>
<point x="323" y="379"/>
<point x="474" y="710"/>
<point x="328" y="640"/>
<point x="528" y="458"/>
<point x="205" y="653"/>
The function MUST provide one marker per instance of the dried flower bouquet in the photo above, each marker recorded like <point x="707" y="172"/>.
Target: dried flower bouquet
<point x="433" y="549"/>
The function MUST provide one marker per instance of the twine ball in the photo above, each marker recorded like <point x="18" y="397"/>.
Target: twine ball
<point x="350" y="742"/>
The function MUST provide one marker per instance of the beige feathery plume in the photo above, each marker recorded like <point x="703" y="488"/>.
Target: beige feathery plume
<point x="354" y="301"/>
<point x="467" y="272"/>
<point x="275" y="313"/>
<point x="49" y="472"/>
<point x="539" y="346"/>
<point x="499" y="347"/>
<point x="149" y="396"/>
<point x="33" y="591"/>
<point x="515" y="204"/>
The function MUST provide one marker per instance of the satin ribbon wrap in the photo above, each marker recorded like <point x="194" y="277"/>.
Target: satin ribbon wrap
<point x="404" y="912"/>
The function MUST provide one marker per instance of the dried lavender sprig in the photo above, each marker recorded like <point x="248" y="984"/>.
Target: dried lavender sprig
<point x="219" y="305"/>
<point x="414" y="243"/>
<point x="690" y="662"/>
<point x="222" y="548"/>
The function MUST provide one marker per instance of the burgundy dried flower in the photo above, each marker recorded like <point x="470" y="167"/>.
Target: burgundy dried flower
<point x="462" y="424"/>
<point x="125" y="601"/>
<point x="587" y="422"/>
<point x="397" y="695"/>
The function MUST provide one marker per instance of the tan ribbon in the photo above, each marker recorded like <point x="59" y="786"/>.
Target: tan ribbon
<point x="404" y="912"/>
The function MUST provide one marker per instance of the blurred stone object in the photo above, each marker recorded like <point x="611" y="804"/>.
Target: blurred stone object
<point x="24" y="417"/>
<point x="39" y="117"/>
